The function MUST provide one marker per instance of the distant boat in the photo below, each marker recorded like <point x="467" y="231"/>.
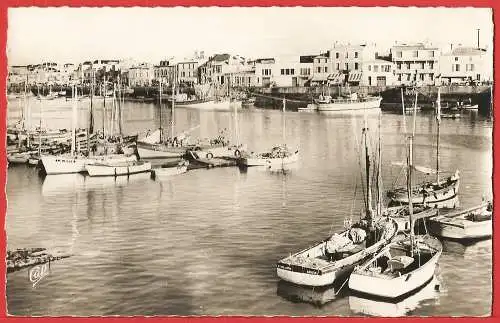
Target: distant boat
<point x="469" y="107"/>
<point x="248" y="103"/>
<point x="473" y="223"/>
<point x="168" y="171"/>
<point x="120" y="168"/>
<point x="351" y="104"/>
<point x="279" y="155"/>
<point x="223" y="104"/>
<point x="310" y="107"/>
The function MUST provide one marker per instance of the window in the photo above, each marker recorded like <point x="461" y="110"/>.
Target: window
<point x="338" y="66"/>
<point x="421" y="77"/>
<point x="305" y="71"/>
<point x="356" y="65"/>
<point x="337" y="55"/>
<point x="356" y="55"/>
<point x="415" y="53"/>
<point x="346" y="66"/>
<point x="398" y="65"/>
<point x="369" y="67"/>
<point x="431" y="54"/>
<point x="431" y="77"/>
<point x="375" y="68"/>
<point x="408" y="77"/>
<point x="292" y="71"/>
<point x="399" y="54"/>
<point x="346" y="54"/>
<point x="326" y="69"/>
<point x="431" y="65"/>
<point x="456" y="59"/>
<point x="318" y="69"/>
<point x="399" y="77"/>
<point x="266" y="71"/>
<point x="387" y="68"/>
<point x="422" y="65"/>
<point x="471" y="67"/>
<point x="282" y="71"/>
<point x="457" y="67"/>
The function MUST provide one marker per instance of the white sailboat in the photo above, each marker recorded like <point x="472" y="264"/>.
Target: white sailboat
<point x="429" y="192"/>
<point x="279" y="155"/>
<point x="403" y="266"/>
<point x="168" y="172"/>
<point x="75" y="163"/>
<point x="335" y="257"/>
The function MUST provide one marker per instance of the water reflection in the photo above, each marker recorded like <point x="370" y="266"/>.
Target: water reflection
<point x="427" y="296"/>
<point x="317" y="296"/>
<point x="468" y="248"/>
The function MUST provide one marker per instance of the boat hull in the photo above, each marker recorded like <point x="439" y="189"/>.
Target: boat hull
<point x="67" y="164"/>
<point x="350" y="106"/>
<point x="159" y="151"/>
<point x="271" y="162"/>
<point x="421" y="197"/>
<point x="468" y="230"/>
<point x="213" y="105"/>
<point x="114" y="170"/>
<point x="167" y="172"/>
<point x="384" y="288"/>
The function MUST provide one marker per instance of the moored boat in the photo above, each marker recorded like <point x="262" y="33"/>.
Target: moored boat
<point x="351" y="104"/>
<point x="108" y="168"/>
<point x="279" y="155"/>
<point x="403" y="266"/>
<point x="169" y="171"/>
<point x="473" y="223"/>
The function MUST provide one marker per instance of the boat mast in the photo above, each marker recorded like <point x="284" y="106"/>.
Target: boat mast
<point x="120" y="106"/>
<point x="410" y="202"/>
<point x="403" y="101"/>
<point x="379" y="177"/>
<point x="73" y="131"/>
<point x="104" y="107"/>
<point x="91" y="121"/>
<point x="172" y="122"/>
<point x="438" y="120"/>
<point x="161" y="123"/>
<point x="367" y="164"/>
<point x="415" y="111"/>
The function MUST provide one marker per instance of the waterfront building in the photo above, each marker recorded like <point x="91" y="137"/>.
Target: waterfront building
<point x="464" y="65"/>
<point x="217" y="70"/>
<point x="321" y="69"/>
<point x="140" y="75"/>
<point x="377" y="72"/>
<point x="164" y="72"/>
<point x="187" y="71"/>
<point x="263" y="71"/>
<point x="346" y="62"/>
<point x="415" y="64"/>
<point x="17" y="74"/>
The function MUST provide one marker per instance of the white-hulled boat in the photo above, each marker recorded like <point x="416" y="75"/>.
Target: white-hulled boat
<point x="311" y="107"/>
<point x="223" y="104"/>
<point x="279" y="155"/>
<point x="108" y="168"/>
<point x="167" y="172"/>
<point x="430" y="191"/>
<point x="351" y="104"/>
<point x="395" y="308"/>
<point x="473" y="223"/>
<point x="403" y="266"/>
<point x="65" y="164"/>
<point x="335" y="257"/>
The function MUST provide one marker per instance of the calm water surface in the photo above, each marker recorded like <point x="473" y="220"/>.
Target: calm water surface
<point x="206" y="242"/>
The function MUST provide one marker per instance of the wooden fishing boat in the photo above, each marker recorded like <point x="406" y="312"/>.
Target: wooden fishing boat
<point x="430" y="191"/>
<point x="403" y="266"/>
<point x="351" y="104"/>
<point x="473" y="223"/>
<point x="335" y="257"/>
<point x="311" y="107"/>
<point x="19" y="157"/>
<point x="108" y="168"/>
<point x="169" y="171"/>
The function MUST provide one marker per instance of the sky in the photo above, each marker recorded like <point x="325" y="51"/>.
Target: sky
<point x="151" y="34"/>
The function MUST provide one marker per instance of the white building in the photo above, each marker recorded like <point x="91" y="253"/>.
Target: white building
<point x="464" y="65"/>
<point x="415" y="64"/>
<point x="377" y="72"/>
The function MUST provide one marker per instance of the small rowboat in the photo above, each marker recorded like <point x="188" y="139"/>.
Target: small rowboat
<point x="167" y="172"/>
<point x="118" y="168"/>
<point x="473" y="223"/>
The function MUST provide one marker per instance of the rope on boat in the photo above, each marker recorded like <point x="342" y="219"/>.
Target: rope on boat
<point x="342" y="286"/>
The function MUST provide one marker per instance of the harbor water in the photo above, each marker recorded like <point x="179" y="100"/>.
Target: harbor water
<point x="207" y="242"/>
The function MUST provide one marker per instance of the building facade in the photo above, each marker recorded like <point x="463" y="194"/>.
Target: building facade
<point x="464" y="65"/>
<point x="415" y="64"/>
<point x="141" y="75"/>
<point x="377" y="72"/>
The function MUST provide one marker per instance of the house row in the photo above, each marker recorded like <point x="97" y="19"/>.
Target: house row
<point x="365" y="64"/>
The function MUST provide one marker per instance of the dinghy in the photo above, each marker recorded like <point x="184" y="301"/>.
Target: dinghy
<point x="167" y="172"/>
<point x="473" y="223"/>
<point x="279" y="155"/>
<point x="118" y="168"/>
